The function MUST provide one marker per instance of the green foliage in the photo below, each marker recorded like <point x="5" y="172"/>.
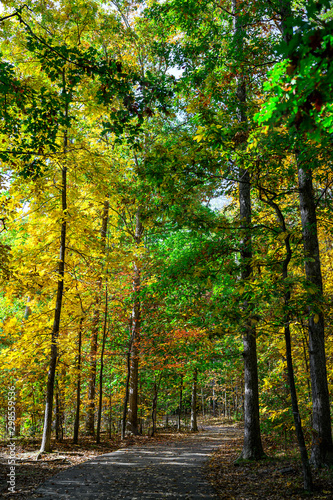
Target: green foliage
<point x="300" y="86"/>
<point x="164" y="148"/>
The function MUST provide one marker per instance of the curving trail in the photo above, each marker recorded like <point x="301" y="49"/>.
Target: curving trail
<point x="170" y="471"/>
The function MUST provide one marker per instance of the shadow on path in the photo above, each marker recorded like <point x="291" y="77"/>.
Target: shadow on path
<point x="161" y="471"/>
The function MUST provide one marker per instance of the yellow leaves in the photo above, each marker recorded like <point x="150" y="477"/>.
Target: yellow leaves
<point x="252" y="145"/>
<point x="10" y="324"/>
<point x="198" y="272"/>
<point x="273" y="415"/>
<point x="151" y="280"/>
<point x="11" y="203"/>
<point x="282" y="236"/>
<point x="200" y="134"/>
<point x="316" y="318"/>
<point x="198" y="137"/>
<point x="191" y="108"/>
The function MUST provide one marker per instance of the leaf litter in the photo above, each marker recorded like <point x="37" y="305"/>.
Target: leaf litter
<point x="277" y="477"/>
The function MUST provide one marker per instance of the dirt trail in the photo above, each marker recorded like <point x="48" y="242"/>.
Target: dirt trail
<point x="172" y="470"/>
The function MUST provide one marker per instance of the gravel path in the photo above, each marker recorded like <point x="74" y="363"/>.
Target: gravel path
<point x="159" y="471"/>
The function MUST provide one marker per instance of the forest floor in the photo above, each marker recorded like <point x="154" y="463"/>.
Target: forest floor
<point x="277" y="477"/>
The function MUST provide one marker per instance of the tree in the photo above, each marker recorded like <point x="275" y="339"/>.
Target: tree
<point x="194" y="425"/>
<point x="135" y="322"/>
<point x="90" y="418"/>
<point x="46" y="440"/>
<point x="210" y="107"/>
<point x="252" y="446"/>
<point x="301" y="121"/>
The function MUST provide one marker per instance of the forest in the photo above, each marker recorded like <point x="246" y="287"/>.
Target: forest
<point x="166" y="193"/>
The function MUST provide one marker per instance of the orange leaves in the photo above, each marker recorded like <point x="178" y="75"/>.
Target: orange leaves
<point x="173" y="348"/>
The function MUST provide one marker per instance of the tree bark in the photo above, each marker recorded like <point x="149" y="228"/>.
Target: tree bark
<point x="180" y="402"/>
<point x="132" y="415"/>
<point x="59" y="413"/>
<point x="46" y="439"/>
<point x="27" y="311"/>
<point x="297" y="419"/>
<point x="252" y="446"/>
<point x="166" y="415"/>
<point x="90" y="419"/>
<point x="154" y="410"/>
<point x="194" y="425"/>
<point x="110" y="414"/>
<point x="305" y="351"/>
<point x="202" y="403"/>
<point x="322" y="446"/>
<point x="213" y="400"/>
<point x="78" y="387"/>
<point x="307" y="476"/>
<point x="99" y="414"/>
<point x="127" y="385"/>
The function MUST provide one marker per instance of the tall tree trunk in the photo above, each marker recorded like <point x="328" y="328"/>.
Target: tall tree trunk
<point x="322" y="446"/>
<point x="194" y="425"/>
<point x="252" y="446"/>
<point x="110" y="414"/>
<point x="154" y="404"/>
<point x="225" y="403"/>
<point x="46" y="439"/>
<point x="293" y="393"/>
<point x="90" y="418"/>
<point x="180" y="402"/>
<point x="99" y="415"/>
<point x="202" y="402"/>
<point x="132" y="415"/>
<point x="154" y="410"/>
<point x="213" y="400"/>
<point x="27" y="311"/>
<point x="58" y="419"/>
<point x="166" y="414"/>
<point x="297" y="419"/>
<point x="60" y="409"/>
<point x="305" y="351"/>
<point x="127" y="385"/>
<point x="78" y="387"/>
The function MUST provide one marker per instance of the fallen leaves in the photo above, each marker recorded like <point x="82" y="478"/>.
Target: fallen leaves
<point x="270" y="479"/>
<point x="29" y="473"/>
